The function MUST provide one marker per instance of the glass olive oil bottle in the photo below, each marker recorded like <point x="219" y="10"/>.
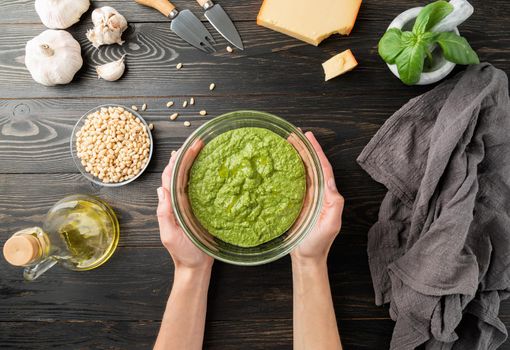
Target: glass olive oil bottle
<point x="80" y="233"/>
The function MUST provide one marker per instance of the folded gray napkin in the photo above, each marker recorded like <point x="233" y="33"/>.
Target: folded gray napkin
<point x="440" y="250"/>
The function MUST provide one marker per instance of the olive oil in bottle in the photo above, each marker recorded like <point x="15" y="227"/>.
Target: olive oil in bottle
<point x="80" y="233"/>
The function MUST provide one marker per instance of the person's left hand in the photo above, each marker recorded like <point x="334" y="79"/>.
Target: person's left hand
<point x="315" y="247"/>
<point x="184" y="253"/>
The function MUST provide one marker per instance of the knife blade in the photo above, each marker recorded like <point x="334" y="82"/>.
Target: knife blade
<point x="219" y="19"/>
<point x="184" y="23"/>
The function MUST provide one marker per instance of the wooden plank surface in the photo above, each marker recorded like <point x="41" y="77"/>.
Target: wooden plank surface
<point x="283" y="65"/>
<point x="119" y="306"/>
<point x="23" y="12"/>
<point x="113" y="293"/>
<point x="256" y="334"/>
<point x="45" y="125"/>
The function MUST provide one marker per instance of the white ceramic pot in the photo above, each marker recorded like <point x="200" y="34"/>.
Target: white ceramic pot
<point x="440" y="67"/>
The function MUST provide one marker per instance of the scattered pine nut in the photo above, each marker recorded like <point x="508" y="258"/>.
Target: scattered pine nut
<point x="185" y="104"/>
<point x="178" y="66"/>
<point x="174" y="116"/>
<point x="203" y="112"/>
<point x="229" y="49"/>
<point x="144" y="106"/>
<point x="151" y="126"/>
<point x="134" y="108"/>
<point x="192" y="101"/>
<point x="212" y="86"/>
<point x="170" y="104"/>
<point x="187" y="123"/>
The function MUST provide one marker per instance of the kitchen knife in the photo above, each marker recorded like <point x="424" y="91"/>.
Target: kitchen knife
<point x="221" y="22"/>
<point x="184" y="23"/>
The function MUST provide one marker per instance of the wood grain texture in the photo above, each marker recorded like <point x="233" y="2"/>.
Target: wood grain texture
<point x="44" y="126"/>
<point x="153" y="51"/>
<point x="119" y="305"/>
<point x="113" y="293"/>
<point x="257" y="334"/>
<point x="23" y="11"/>
<point x="271" y="63"/>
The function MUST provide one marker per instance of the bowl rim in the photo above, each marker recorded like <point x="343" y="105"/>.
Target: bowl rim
<point x="75" y="157"/>
<point x="232" y="116"/>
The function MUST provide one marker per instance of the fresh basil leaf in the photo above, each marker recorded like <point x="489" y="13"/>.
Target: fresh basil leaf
<point x="409" y="38"/>
<point x="410" y="63"/>
<point x="428" y="38"/>
<point x="420" y="25"/>
<point x="431" y="15"/>
<point x="456" y="49"/>
<point x="391" y="45"/>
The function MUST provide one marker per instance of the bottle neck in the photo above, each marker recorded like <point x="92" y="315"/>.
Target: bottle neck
<point x="26" y="247"/>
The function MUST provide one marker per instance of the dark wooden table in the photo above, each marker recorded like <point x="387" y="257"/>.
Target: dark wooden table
<point x="119" y="306"/>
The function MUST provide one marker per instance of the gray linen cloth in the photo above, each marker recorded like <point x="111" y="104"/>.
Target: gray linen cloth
<point x="440" y="250"/>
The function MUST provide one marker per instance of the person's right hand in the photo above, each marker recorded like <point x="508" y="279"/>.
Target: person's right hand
<point x="184" y="253"/>
<point x="315" y="247"/>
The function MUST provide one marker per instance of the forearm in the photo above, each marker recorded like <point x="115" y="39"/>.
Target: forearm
<point x="183" y="322"/>
<point x="315" y="324"/>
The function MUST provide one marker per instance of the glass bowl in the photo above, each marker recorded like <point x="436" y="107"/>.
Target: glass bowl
<point x="275" y="248"/>
<point x="77" y="160"/>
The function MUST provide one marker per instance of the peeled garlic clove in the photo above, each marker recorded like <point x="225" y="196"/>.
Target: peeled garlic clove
<point x="109" y="25"/>
<point x="60" y="14"/>
<point x="111" y="71"/>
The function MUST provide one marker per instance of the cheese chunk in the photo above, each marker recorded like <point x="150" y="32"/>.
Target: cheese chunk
<point x="310" y="21"/>
<point x="339" y="64"/>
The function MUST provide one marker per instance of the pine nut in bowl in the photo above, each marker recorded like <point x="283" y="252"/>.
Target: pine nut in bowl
<point x="247" y="187"/>
<point x="111" y="145"/>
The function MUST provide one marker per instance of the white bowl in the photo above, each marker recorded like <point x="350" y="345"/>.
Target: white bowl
<point x="77" y="160"/>
<point x="442" y="67"/>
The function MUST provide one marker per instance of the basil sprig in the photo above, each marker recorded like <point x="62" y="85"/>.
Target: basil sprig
<point x="408" y="50"/>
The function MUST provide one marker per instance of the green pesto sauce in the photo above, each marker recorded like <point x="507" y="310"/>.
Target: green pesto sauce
<point x="247" y="186"/>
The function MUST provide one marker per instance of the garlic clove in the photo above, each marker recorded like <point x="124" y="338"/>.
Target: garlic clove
<point x="60" y="14"/>
<point x="109" y="25"/>
<point x="111" y="71"/>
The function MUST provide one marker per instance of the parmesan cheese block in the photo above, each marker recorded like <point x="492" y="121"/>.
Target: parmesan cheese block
<point x="310" y="21"/>
<point x="339" y="64"/>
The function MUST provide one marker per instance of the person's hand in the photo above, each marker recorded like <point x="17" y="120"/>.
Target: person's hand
<point x="184" y="253"/>
<point x="315" y="247"/>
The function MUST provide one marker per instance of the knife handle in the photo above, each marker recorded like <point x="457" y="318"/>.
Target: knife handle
<point x="202" y="2"/>
<point x="163" y="6"/>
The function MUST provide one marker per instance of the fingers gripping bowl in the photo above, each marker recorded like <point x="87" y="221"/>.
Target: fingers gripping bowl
<point x="275" y="248"/>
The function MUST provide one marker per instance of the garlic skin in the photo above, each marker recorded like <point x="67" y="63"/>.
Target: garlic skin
<point x="60" y="14"/>
<point x="111" y="71"/>
<point x="108" y="27"/>
<point x="53" y="57"/>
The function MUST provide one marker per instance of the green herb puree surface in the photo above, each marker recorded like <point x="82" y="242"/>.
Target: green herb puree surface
<point x="247" y="186"/>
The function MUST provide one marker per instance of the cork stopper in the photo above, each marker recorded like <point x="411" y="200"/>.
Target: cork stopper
<point x="21" y="250"/>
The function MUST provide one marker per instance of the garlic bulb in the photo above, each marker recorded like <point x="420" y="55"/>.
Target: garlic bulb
<point x="111" y="71"/>
<point x="53" y="57"/>
<point x="108" y="27"/>
<point x="60" y="14"/>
